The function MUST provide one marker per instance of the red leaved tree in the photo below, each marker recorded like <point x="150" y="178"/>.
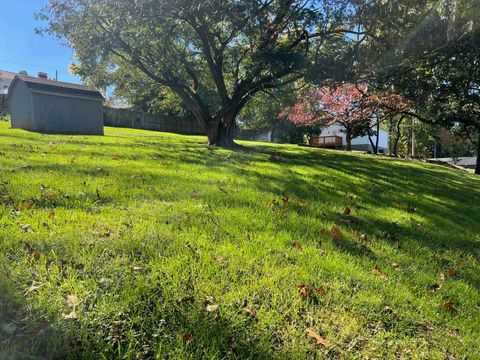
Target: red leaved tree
<point x="346" y="104"/>
<point x="332" y="105"/>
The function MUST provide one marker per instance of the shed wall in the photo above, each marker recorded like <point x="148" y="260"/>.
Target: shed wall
<point x="67" y="115"/>
<point x="20" y="100"/>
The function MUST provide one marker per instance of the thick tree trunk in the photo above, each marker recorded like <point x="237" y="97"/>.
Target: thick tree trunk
<point x="477" y="166"/>
<point x="220" y="131"/>
<point x="348" y="139"/>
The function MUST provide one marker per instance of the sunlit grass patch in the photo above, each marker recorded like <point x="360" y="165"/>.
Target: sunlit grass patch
<point x="141" y="244"/>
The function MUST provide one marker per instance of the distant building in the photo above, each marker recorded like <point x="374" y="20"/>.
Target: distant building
<point x="47" y="106"/>
<point x="6" y="79"/>
<point x="334" y="136"/>
<point x="254" y="135"/>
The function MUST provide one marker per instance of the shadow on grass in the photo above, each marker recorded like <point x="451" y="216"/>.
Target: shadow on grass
<point x="445" y="199"/>
<point x="157" y="328"/>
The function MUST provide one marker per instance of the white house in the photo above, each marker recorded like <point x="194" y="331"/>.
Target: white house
<point x="6" y="79"/>
<point x="358" y="143"/>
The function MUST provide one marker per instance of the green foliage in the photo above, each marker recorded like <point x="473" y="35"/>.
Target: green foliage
<point x="214" y="55"/>
<point x="262" y="113"/>
<point x="144" y="230"/>
<point x="425" y="139"/>
<point x="142" y="93"/>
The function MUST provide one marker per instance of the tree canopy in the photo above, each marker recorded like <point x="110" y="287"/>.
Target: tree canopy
<point x="215" y="55"/>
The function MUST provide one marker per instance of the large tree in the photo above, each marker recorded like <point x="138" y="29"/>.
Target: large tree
<point x="215" y="55"/>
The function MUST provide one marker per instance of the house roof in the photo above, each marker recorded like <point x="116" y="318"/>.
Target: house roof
<point x="39" y="84"/>
<point x="7" y="75"/>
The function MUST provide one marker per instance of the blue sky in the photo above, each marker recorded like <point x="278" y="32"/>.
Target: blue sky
<point x="22" y="49"/>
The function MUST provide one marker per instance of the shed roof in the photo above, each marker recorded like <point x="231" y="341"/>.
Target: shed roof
<point x="53" y="86"/>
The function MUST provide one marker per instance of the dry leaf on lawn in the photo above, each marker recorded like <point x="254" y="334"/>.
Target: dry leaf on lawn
<point x="212" y="307"/>
<point x="312" y="335"/>
<point x="72" y="315"/>
<point x="34" y="255"/>
<point x="73" y="300"/>
<point x="187" y="337"/>
<point x="33" y="287"/>
<point x="304" y="291"/>
<point x="297" y="245"/>
<point x="380" y="273"/>
<point x="321" y="290"/>
<point x="250" y="313"/>
<point x="220" y="260"/>
<point x="452" y="272"/>
<point x="450" y="307"/>
<point x="336" y="233"/>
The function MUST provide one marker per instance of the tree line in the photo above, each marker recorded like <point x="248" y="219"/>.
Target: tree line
<point x="391" y="58"/>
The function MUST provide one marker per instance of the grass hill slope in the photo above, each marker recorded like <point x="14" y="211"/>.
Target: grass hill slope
<point x="139" y="245"/>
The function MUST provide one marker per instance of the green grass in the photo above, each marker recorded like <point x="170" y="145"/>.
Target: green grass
<point x="181" y="251"/>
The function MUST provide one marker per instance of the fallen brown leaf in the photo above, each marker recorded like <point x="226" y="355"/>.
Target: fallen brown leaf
<point x="195" y="196"/>
<point x="73" y="300"/>
<point x="442" y="276"/>
<point x="435" y="287"/>
<point x="452" y="272"/>
<point x="51" y="214"/>
<point x="346" y="210"/>
<point x="304" y="291"/>
<point x="321" y="290"/>
<point x="380" y="273"/>
<point x="25" y="205"/>
<point x="297" y="245"/>
<point x="34" y="255"/>
<point x="250" y="313"/>
<point x="220" y="260"/>
<point x="212" y="308"/>
<point x="187" y="337"/>
<point x="312" y="335"/>
<point x="72" y="315"/>
<point x="450" y="307"/>
<point x="114" y="158"/>
<point x="336" y="233"/>
<point x="323" y="232"/>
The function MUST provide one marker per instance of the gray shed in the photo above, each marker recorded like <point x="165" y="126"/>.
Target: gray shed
<point x="54" y="107"/>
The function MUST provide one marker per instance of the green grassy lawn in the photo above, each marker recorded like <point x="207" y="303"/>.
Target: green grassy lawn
<point x="141" y="245"/>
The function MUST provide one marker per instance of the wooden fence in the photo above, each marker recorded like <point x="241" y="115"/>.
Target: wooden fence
<point x="139" y="120"/>
<point x="3" y="104"/>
